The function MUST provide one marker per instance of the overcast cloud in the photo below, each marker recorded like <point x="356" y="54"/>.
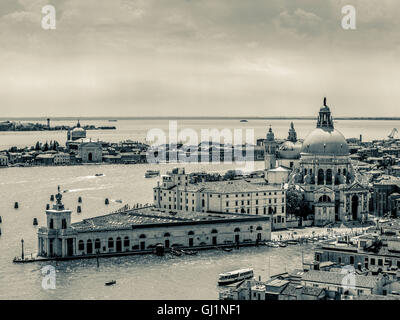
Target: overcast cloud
<point x="199" y="57"/>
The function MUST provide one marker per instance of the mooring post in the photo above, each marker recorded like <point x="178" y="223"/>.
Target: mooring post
<point x="22" y="245"/>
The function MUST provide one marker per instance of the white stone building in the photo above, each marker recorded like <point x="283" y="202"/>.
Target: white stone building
<point x="3" y="160"/>
<point x="234" y="196"/>
<point x="90" y="152"/>
<point x="141" y="229"/>
<point x="61" y="158"/>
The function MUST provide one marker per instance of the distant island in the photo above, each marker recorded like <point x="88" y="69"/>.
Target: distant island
<point x="114" y="119"/>
<point x="18" y="126"/>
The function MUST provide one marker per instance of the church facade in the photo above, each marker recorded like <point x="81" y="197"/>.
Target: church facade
<point x="325" y="173"/>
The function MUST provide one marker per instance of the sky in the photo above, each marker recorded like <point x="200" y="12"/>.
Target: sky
<point x="199" y="58"/>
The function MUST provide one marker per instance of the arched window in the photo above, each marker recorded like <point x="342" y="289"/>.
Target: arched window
<point x="324" y="198"/>
<point x="191" y="233"/>
<point x="305" y="172"/>
<point x="320" y="176"/>
<point x="110" y="242"/>
<point x="118" y="244"/>
<point x="167" y="234"/>
<point x="126" y="242"/>
<point x="329" y="176"/>
<point x="64" y="224"/>
<point x="51" y="224"/>
<point x="259" y="228"/>
<point x="89" y="246"/>
<point x="236" y="230"/>
<point x="214" y="231"/>
<point x="81" y="245"/>
<point x="142" y="236"/>
<point x="344" y="172"/>
<point x="97" y="244"/>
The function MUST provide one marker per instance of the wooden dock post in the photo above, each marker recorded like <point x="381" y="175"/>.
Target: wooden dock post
<point x="22" y="245"/>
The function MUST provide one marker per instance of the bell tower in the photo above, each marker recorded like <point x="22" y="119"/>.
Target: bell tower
<point x="292" y="133"/>
<point x="270" y="150"/>
<point x="325" y="118"/>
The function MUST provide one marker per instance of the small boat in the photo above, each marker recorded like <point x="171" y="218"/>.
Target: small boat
<point x="110" y="283"/>
<point x="235" y="276"/>
<point x="243" y="120"/>
<point x="99" y="174"/>
<point x="152" y="173"/>
<point x="112" y="120"/>
<point x="190" y="252"/>
<point x="292" y="242"/>
<point x="119" y="201"/>
<point x="227" y="249"/>
<point x="282" y="244"/>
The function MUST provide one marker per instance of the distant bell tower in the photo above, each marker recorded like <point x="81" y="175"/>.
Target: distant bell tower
<point x="57" y="239"/>
<point x="270" y="150"/>
<point x="292" y="133"/>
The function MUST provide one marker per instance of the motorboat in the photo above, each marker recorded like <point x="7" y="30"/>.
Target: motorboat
<point x="110" y="283"/>
<point x="152" y="173"/>
<point x="235" y="276"/>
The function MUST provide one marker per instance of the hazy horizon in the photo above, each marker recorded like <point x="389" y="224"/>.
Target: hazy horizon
<point x="132" y="58"/>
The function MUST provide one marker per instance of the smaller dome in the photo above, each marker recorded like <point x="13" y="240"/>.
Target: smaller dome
<point x="290" y="150"/>
<point x="78" y="130"/>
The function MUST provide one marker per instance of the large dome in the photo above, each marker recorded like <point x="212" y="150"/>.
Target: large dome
<point x="324" y="141"/>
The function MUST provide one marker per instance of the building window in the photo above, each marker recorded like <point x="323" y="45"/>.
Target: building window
<point x="51" y="224"/>
<point x="97" y="244"/>
<point x="110" y="243"/>
<point x="126" y="242"/>
<point x="64" y="224"/>
<point x="81" y="245"/>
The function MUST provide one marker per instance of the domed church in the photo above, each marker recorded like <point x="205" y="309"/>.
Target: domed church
<point x="327" y="176"/>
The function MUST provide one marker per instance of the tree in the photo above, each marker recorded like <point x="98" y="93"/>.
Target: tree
<point x="295" y="204"/>
<point x="37" y="146"/>
<point x="46" y="147"/>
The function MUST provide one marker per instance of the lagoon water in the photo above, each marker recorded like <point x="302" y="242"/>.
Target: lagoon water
<point x="138" y="277"/>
